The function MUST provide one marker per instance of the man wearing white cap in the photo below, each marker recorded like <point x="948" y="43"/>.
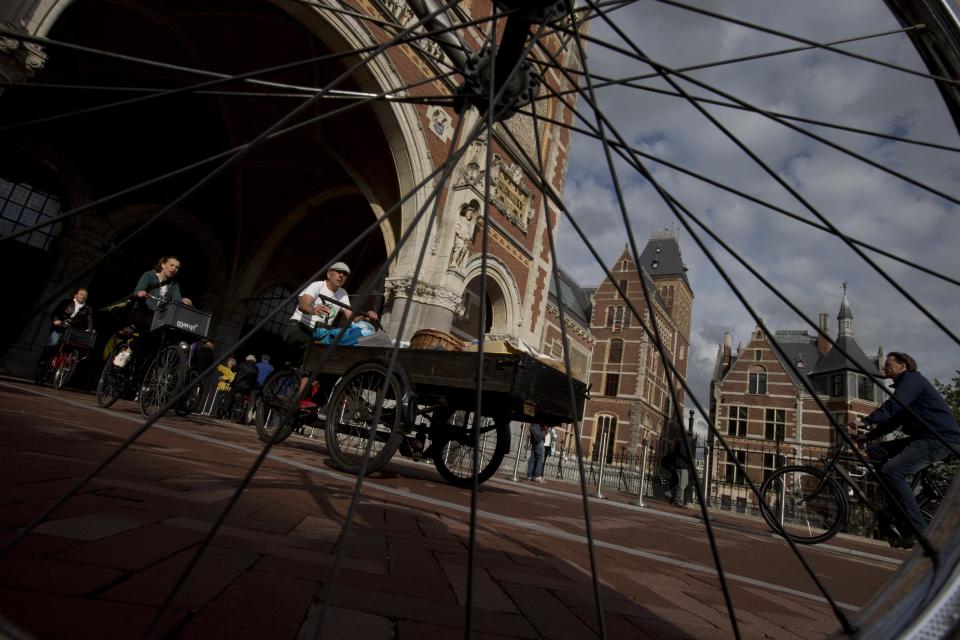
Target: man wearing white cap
<point x="318" y="306"/>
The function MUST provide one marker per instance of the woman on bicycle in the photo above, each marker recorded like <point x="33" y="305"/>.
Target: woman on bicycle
<point x="155" y="286"/>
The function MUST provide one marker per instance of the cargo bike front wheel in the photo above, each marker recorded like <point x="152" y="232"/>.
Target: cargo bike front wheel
<point x="363" y="412"/>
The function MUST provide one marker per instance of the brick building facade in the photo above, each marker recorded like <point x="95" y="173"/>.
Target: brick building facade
<point x="761" y="404"/>
<point x="629" y="400"/>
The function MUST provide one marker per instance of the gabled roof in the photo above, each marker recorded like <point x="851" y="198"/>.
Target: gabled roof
<point x="801" y="351"/>
<point x="835" y="360"/>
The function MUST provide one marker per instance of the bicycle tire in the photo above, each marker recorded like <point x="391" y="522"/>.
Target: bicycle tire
<point x="353" y="403"/>
<point x="113" y="379"/>
<point x="815" y="508"/>
<point x="164" y="378"/>
<point x="65" y="369"/>
<point x="191" y="401"/>
<point x="273" y="402"/>
<point x="453" y="448"/>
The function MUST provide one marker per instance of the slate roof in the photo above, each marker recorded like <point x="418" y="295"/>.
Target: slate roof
<point x="835" y="360"/>
<point x="661" y="257"/>
<point x="576" y="300"/>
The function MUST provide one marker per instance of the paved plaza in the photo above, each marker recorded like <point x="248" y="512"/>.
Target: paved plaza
<point x="102" y="563"/>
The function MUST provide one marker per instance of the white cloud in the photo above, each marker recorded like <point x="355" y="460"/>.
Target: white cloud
<point x="803" y="263"/>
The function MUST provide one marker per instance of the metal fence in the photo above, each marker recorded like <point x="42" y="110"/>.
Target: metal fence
<point x="628" y="474"/>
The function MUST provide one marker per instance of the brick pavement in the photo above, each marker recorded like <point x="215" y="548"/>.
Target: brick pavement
<point x="103" y="562"/>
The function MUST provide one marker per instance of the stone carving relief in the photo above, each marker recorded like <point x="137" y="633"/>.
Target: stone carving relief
<point x="464" y="232"/>
<point x="471" y="175"/>
<point x="510" y="195"/>
<point x="424" y="293"/>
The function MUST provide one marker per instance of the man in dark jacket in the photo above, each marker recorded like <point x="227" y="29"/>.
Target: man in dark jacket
<point x="244" y="381"/>
<point x="72" y="312"/>
<point x="538" y="434"/>
<point x="677" y="462"/>
<point x="919" y="410"/>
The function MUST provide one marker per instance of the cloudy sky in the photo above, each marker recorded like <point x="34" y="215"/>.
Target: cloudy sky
<point x="805" y="264"/>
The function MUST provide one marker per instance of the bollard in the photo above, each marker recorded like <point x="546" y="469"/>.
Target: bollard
<point x="783" y="498"/>
<point x="516" y="463"/>
<point x="643" y="477"/>
<point x="603" y="459"/>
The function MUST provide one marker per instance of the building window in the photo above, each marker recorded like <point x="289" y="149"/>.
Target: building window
<point x="620" y="318"/>
<point x="865" y="388"/>
<point x="758" y="355"/>
<point x="612" y="385"/>
<point x="610" y="312"/>
<point x="606" y="434"/>
<point x="556" y="349"/>
<point x="757" y="382"/>
<point x="623" y="288"/>
<point x="626" y="317"/>
<point x="774" y="423"/>
<point x="772" y="462"/>
<point x="732" y="474"/>
<point x="737" y="421"/>
<point x="836" y="385"/>
<point x="616" y="351"/>
<point x="23" y="206"/>
<point x="271" y="299"/>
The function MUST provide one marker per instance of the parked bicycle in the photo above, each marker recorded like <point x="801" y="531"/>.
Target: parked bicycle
<point x="74" y="346"/>
<point x="156" y="375"/>
<point x="811" y="503"/>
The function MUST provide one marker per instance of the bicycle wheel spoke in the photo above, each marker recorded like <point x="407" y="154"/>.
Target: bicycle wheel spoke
<point x="367" y="411"/>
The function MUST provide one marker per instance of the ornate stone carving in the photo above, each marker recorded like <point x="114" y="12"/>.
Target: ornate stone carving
<point x="404" y="15"/>
<point x="463" y="233"/>
<point x="424" y="293"/>
<point x="472" y="173"/>
<point x="510" y="195"/>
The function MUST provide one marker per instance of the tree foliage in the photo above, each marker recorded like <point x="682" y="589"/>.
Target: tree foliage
<point x="951" y="393"/>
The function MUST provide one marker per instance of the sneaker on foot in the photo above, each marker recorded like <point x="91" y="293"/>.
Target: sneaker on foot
<point x="540" y="480"/>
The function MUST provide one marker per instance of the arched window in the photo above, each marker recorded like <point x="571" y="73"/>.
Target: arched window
<point x="757" y="381"/>
<point x="606" y="435"/>
<point x="626" y="317"/>
<point x="610" y="312"/>
<point x="22" y="206"/>
<point x="616" y="351"/>
<point x="269" y="300"/>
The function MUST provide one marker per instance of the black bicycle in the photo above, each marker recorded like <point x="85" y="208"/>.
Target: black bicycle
<point x="155" y="376"/>
<point x="811" y="504"/>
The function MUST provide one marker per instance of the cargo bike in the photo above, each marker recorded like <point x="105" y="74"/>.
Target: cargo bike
<point x="430" y="398"/>
<point x="176" y="327"/>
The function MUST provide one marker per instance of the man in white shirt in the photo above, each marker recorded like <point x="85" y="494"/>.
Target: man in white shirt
<point x="318" y="306"/>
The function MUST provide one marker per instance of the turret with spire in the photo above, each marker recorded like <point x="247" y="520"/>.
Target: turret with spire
<point x="845" y="317"/>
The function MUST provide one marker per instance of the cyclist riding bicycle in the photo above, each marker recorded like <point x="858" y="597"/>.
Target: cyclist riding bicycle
<point x="75" y="312"/>
<point x="919" y="410"/>
<point x="154" y="287"/>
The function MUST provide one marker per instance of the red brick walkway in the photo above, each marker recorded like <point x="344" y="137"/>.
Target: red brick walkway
<point x="103" y="562"/>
